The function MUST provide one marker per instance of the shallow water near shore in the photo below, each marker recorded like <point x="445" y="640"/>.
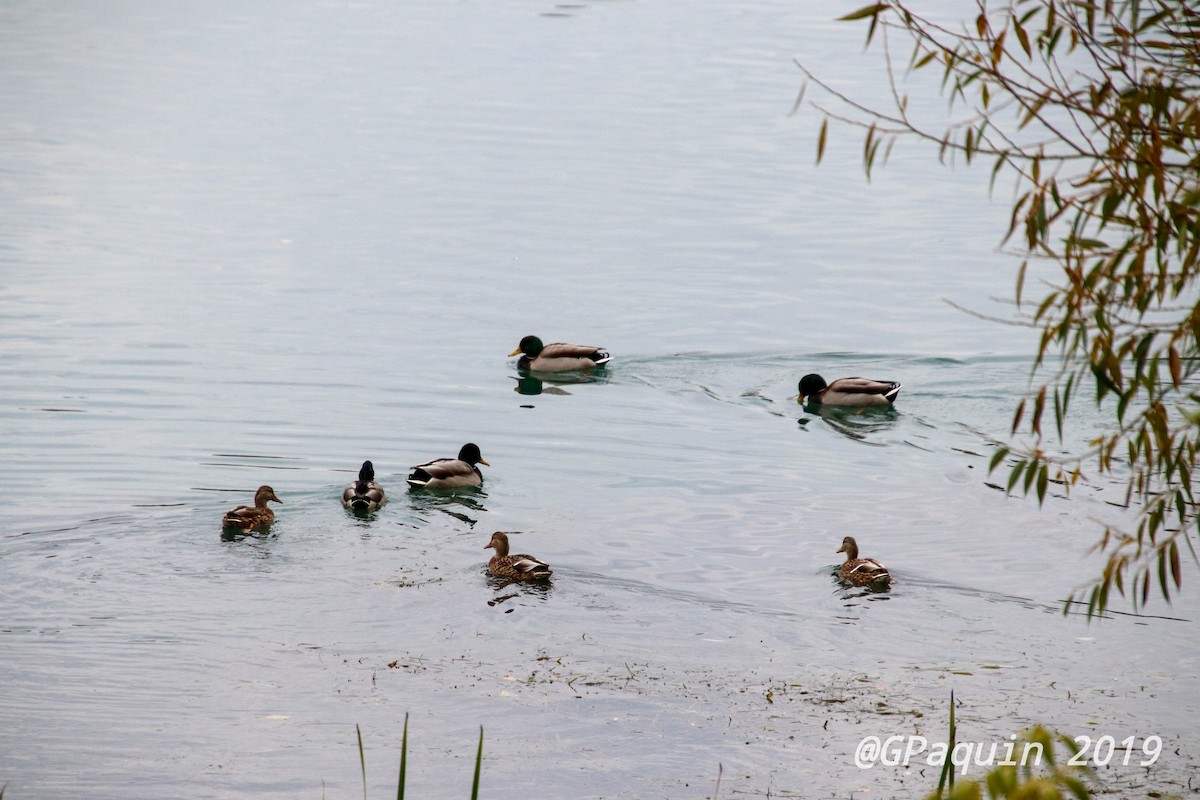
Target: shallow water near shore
<point x="247" y="246"/>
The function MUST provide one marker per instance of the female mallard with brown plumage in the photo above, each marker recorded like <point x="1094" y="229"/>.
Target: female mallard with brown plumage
<point x="450" y="473"/>
<point x="558" y="357"/>
<point x="854" y="392"/>
<point x="516" y="567"/>
<point x="364" y="494"/>
<point x="258" y="515"/>
<point x="861" y="571"/>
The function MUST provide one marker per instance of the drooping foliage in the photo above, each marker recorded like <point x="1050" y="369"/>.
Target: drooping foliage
<point x="1093" y="108"/>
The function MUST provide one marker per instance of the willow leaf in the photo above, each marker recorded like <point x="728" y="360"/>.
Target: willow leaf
<point x="865" y="11"/>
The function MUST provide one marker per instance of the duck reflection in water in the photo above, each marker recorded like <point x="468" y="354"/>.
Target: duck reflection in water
<point x="551" y="383"/>
<point x="531" y="385"/>
<point x="462" y="504"/>
<point x="859" y="424"/>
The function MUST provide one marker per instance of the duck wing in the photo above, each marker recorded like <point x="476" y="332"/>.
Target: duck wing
<point x="870" y="567"/>
<point x="528" y="565"/>
<point x="573" y="351"/>
<point x="522" y="565"/>
<point x="864" y="386"/>
<point x="363" y="495"/>
<point x="441" y="469"/>
<point x="246" y="516"/>
<point x="860" y="392"/>
<point x="239" y="512"/>
<point x="566" y="350"/>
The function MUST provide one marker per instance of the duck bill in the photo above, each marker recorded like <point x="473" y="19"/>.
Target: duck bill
<point x="486" y="464"/>
<point x="514" y="352"/>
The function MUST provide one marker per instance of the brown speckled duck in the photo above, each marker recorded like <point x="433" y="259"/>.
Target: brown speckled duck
<point x="516" y="567"/>
<point x="558" y="357"/>
<point x="258" y="515"/>
<point x="862" y="571"/>
<point x="852" y="392"/>
<point x="364" y="494"/>
<point x="450" y="473"/>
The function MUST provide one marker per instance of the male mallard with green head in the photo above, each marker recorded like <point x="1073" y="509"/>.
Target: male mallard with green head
<point x="558" y="357"/>
<point x="364" y="494"/>
<point x="854" y="392"/>
<point x="861" y="571"/>
<point x="450" y="473"/>
<point x="516" y="567"/>
<point x="258" y="515"/>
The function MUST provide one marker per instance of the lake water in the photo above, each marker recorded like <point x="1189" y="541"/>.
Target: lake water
<point x="245" y="245"/>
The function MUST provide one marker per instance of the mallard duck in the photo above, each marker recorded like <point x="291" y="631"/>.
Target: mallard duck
<point x="364" y="494"/>
<point x="258" y="515"/>
<point x="517" y="567"/>
<point x="861" y="571"/>
<point x="450" y="473"/>
<point x="848" y="391"/>
<point x="558" y="357"/>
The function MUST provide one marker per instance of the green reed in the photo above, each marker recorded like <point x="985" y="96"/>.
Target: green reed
<point x="1010" y="781"/>
<point x="362" y="762"/>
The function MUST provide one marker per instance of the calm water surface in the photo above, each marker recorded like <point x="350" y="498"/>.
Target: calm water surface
<point x="259" y="245"/>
